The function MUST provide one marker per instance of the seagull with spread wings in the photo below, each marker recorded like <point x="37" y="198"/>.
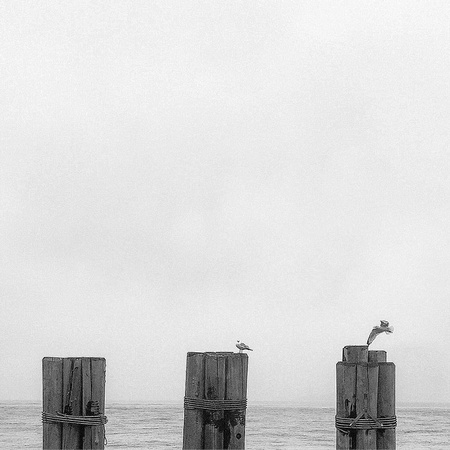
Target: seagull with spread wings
<point x="378" y="329"/>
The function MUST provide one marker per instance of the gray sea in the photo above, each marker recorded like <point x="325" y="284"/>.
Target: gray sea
<point x="268" y="426"/>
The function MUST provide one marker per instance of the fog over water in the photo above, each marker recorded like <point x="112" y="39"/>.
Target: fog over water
<point x="175" y="176"/>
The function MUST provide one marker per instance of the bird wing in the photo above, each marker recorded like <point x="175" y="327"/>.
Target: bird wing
<point x="242" y="346"/>
<point x="373" y="334"/>
<point x="245" y="347"/>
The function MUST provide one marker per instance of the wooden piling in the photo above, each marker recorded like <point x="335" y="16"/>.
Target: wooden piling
<point x="73" y="391"/>
<point x="386" y="404"/>
<point x="52" y="369"/>
<point x="365" y="400"/>
<point x="195" y="388"/>
<point x="215" y="401"/>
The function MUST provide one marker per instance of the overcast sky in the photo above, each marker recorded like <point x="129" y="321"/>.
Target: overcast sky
<point x="177" y="175"/>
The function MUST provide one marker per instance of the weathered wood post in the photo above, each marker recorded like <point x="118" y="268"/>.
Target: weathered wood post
<point x="73" y="403"/>
<point x="215" y="401"/>
<point x="365" y="400"/>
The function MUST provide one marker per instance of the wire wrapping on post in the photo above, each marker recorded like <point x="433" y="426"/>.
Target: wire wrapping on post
<point x="214" y="405"/>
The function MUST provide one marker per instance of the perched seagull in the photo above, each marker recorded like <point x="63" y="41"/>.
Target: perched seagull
<point x="383" y="328"/>
<point x="241" y="346"/>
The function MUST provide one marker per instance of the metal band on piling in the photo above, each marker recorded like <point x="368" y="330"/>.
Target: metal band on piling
<point x="214" y="405"/>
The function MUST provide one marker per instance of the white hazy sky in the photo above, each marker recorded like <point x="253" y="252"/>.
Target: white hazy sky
<point x="177" y="175"/>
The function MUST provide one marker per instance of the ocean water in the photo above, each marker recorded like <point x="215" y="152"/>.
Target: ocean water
<point x="160" y="426"/>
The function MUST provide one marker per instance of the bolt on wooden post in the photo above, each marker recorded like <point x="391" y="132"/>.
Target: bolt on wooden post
<point x="73" y="388"/>
<point x="365" y="400"/>
<point x="215" y="401"/>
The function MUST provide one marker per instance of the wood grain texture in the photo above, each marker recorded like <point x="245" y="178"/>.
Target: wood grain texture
<point x="377" y="356"/>
<point x="215" y="376"/>
<point x="365" y="385"/>
<point x="372" y="407"/>
<point x="355" y="353"/>
<point x="52" y="400"/>
<point x="72" y="389"/>
<point x="98" y="390"/>
<point x="215" y="365"/>
<point x="69" y="384"/>
<point x="86" y="397"/>
<point x="236" y="382"/>
<point x="195" y="388"/>
<point x="386" y="404"/>
<point x="362" y="387"/>
<point x="345" y="400"/>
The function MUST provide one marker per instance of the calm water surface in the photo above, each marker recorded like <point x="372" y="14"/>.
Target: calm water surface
<point x="160" y="426"/>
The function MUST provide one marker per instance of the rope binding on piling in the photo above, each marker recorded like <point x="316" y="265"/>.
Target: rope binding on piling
<point x="93" y="417"/>
<point x="365" y="421"/>
<point x="214" y="405"/>
<point x="87" y="421"/>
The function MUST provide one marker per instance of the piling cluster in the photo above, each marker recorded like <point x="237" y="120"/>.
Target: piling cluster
<point x="365" y="400"/>
<point x="73" y="403"/>
<point x="216" y="399"/>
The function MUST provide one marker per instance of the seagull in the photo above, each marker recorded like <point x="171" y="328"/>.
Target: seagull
<point x="376" y="330"/>
<point x="241" y="346"/>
